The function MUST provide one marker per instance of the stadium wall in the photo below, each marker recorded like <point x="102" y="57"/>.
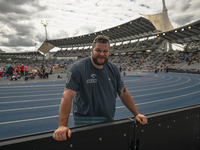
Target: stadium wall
<point x="184" y="71"/>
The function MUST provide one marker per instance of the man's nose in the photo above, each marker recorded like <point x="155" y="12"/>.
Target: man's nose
<point x="101" y="53"/>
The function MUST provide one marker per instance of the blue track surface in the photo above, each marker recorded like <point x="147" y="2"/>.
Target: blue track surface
<point x="33" y="107"/>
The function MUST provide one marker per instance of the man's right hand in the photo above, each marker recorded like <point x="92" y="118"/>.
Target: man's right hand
<point x="61" y="133"/>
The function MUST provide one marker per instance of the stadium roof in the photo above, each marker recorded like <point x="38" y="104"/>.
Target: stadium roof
<point x="160" y="20"/>
<point x="140" y="27"/>
<point x="185" y="34"/>
<point x="21" y="54"/>
<point x="45" y="47"/>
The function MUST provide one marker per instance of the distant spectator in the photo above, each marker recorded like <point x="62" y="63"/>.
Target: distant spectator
<point x="156" y="70"/>
<point x="10" y="71"/>
<point x="7" y="66"/>
<point x="26" y="70"/>
<point x="1" y="71"/>
<point x="51" y="70"/>
<point x="42" y="71"/>
<point x="22" y="70"/>
<point x="1" y="68"/>
<point x="46" y="75"/>
<point x="17" y="69"/>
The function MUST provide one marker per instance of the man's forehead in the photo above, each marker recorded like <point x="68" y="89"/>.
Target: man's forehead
<point x="102" y="46"/>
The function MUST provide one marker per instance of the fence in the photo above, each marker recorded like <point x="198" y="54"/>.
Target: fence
<point x="171" y="129"/>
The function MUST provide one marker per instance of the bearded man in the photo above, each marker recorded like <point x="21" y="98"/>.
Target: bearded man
<point x="93" y="83"/>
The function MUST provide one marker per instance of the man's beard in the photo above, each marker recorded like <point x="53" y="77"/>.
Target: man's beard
<point x="95" y="60"/>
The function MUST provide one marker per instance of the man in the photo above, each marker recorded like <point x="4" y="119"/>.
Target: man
<point x="51" y="69"/>
<point x="7" y="66"/>
<point x="10" y="71"/>
<point x="42" y="71"/>
<point x="22" y="70"/>
<point x="26" y="70"/>
<point x="17" y="69"/>
<point x="93" y="82"/>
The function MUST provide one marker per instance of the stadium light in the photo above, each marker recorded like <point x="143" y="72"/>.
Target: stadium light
<point x="44" y="23"/>
<point x="189" y="27"/>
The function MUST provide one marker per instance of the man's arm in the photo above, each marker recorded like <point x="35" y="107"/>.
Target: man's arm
<point x="64" y="111"/>
<point x="129" y="103"/>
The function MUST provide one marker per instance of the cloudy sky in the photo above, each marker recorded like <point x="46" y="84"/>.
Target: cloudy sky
<point x="21" y="28"/>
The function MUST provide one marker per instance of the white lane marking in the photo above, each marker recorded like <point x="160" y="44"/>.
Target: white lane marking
<point x="25" y="120"/>
<point x="31" y="95"/>
<point x="31" y="91"/>
<point x="167" y="98"/>
<point x="24" y="86"/>
<point x="132" y="96"/>
<point x="161" y="100"/>
<point x="153" y="84"/>
<point x="26" y="101"/>
<point x="32" y="88"/>
<point x="142" y="80"/>
<point x="144" y="103"/>
<point x="166" y="91"/>
<point x="38" y="107"/>
<point x="159" y="87"/>
<point x="155" y="101"/>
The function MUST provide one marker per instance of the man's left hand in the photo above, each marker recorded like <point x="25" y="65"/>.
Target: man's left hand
<point x="141" y="119"/>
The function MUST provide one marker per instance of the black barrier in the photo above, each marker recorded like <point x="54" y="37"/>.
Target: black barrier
<point x="104" y="136"/>
<point x="176" y="129"/>
<point x="172" y="129"/>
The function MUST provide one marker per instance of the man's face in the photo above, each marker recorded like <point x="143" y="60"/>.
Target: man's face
<point x="100" y="53"/>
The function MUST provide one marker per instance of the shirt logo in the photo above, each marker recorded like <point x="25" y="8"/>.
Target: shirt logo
<point x="109" y="78"/>
<point x="93" y="80"/>
<point x="93" y="76"/>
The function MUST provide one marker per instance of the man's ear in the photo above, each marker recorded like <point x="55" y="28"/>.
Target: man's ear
<point x="91" y="51"/>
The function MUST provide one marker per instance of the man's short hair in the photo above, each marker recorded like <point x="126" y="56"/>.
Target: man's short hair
<point x="100" y="39"/>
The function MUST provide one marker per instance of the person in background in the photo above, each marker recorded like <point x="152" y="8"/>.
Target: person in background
<point x="10" y="71"/>
<point x="42" y="71"/>
<point x="22" y="70"/>
<point x="17" y="69"/>
<point x="51" y="70"/>
<point x="156" y="71"/>
<point x="26" y="70"/>
<point x="7" y="66"/>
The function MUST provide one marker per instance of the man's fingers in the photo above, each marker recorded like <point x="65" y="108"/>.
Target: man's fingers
<point x="138" y="119"/>
<point x="141" y="119"/>
<point x="61" y="134"/>
<point x="69" y="133"/>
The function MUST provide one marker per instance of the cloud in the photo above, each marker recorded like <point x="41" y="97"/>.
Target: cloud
<point x="20" y="25"/>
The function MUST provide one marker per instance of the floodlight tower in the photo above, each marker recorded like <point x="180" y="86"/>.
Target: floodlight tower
<point x="44" y="23"/>
<point x="36" y="50"/>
